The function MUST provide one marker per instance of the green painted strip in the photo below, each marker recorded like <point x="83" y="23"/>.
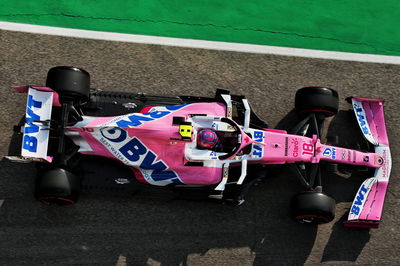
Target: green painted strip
<point x="349" y="26"/>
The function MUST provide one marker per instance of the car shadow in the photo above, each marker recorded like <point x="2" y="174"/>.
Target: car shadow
<point x="154" y="227"/>
<point x="151" y="226"/>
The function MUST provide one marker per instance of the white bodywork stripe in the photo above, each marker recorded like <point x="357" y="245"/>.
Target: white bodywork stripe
<point x="227" y="99"/>
<point x="246" y="114"/>
<point x="225" y="174"/>
<point x="243" y="173"/>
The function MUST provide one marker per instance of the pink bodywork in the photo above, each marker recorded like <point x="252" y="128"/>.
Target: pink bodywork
<point x="158" y="150"/>
<point x="161" y="138"/>
<point x="287" y="148"/>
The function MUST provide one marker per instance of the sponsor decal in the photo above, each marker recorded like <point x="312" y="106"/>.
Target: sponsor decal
<point x="295" y="143"/>
<point x="366" y="159"/>
<point x="330" y="153"/>
<point x="30" y="142"/>
<point x="343" y="155"/>
<point x="122" y="181"/>
<point x="286" y="146"/>
<point x="129" y="105"/>
<point x="359" y="200"/>
<point x="349" y="156"/>
<point x="385" y="166"/>
<point x="259" y="136"/>
<point x="133" y="152"/>
<point x="138" y="119"/>
<point x="361" y="118"/>
<point x="213" y="155"/>
<point x="258" y="149"/>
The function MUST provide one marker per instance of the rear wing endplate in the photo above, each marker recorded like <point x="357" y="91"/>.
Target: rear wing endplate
<point x="37" y="124"/>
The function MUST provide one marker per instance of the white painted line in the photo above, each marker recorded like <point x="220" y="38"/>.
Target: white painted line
<point x="190" y="43"/>
<point x="1" y="202"/>
<point x="121" y="261"/>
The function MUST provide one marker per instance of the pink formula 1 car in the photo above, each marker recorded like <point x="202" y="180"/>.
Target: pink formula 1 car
<point x="215" y="147"/>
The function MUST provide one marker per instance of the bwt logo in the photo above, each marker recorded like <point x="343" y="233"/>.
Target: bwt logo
<point x="358" y="202"/>
<point x="361" y="119"/>
<point x="258" y="150"/>
<point x="30" y="142"/>
<point x="330" y="152"/>
<point x="138" y="119"/>
<point x="137" y="153"/>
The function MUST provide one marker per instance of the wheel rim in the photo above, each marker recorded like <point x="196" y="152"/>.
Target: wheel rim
<point x="56" y="201"/>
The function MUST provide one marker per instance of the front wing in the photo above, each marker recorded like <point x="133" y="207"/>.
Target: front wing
<point x="366" y="209"/>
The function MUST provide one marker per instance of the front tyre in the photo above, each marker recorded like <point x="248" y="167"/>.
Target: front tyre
<point x="318" y="100"/>
<point x="313" y="207"/>
<point x="58" y="187"/>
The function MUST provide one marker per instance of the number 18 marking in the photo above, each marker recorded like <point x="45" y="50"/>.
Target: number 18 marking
<point x="308" y="149"/>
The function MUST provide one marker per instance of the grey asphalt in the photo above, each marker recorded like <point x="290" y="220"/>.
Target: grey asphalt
<point x="155" y="228"/>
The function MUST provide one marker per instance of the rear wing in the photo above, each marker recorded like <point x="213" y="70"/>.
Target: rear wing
<point x="37" y="122"/>
<point x="366" y="210"/>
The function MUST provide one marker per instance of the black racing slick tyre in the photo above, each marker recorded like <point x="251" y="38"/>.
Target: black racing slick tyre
<point x="70" y="83"/>
<point x="317" y="99"/>
<point x="57" y="186"/>
<point x="313" y="207"/>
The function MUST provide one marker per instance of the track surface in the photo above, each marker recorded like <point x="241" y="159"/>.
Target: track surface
<point x="110" y="229"/>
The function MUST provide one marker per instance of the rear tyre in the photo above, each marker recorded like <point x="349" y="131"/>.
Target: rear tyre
<point x="313" y="207"/>
<point x="317" y="99"/>
<point x="58" y="187"/>
<point x="70" y="83"/>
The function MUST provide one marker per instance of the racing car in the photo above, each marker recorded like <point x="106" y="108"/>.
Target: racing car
<point x="216" y="147"/>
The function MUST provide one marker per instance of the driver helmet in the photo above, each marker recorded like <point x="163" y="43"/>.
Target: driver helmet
<point x="207" y="139"/>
